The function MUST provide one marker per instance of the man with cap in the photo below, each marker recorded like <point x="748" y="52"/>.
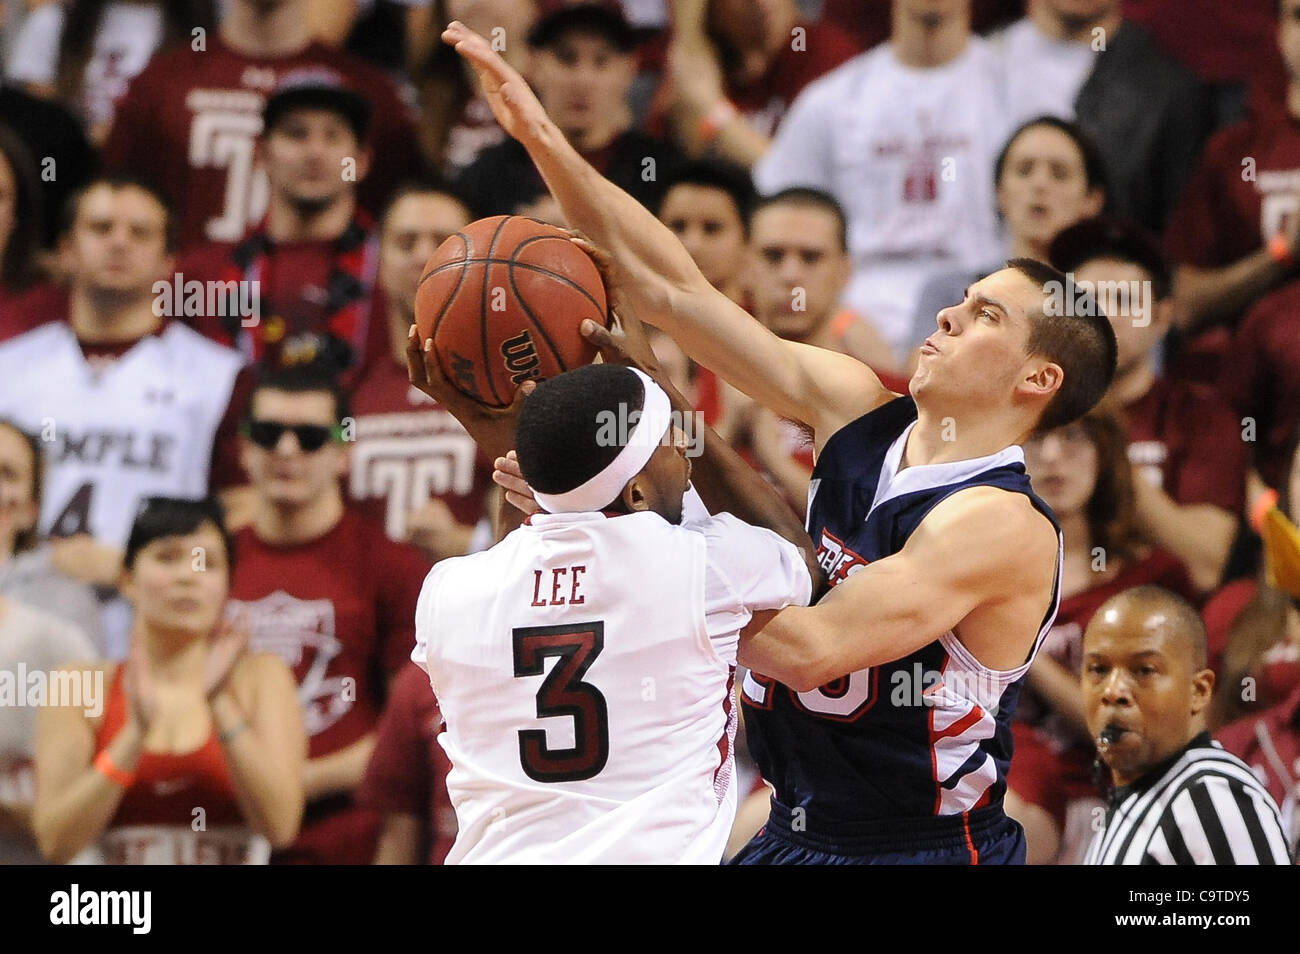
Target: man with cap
<point x="312" y="262"/>
<point x="619" y="750"/>
<point x="309" y="269"/>
<point x="583" y="65"/>
<point x="1188" y="500"/>
<point x="191" y="119"/>
<point x="1178" y="798"/>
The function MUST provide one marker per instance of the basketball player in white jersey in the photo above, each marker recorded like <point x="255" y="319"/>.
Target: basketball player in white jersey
<point x="584" y="665"/>
<point x="129" y="403"/>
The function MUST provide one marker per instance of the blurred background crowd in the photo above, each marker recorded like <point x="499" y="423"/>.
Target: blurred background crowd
<point x="841" y="168"/>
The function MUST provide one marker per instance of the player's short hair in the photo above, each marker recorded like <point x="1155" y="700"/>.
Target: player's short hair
<point x="1094" y="166"/>
<point x="1184" y="620"/>
<point x="160" y="517"/>
<point x="717" y="174"/>
<point x="28" y="539"/>
<point x="810" y="198"/>
<point x="1079" y="339"/>
<point x="116" y="182"/>
<point x="558" y="434"/>
<point x="303" y="379"/>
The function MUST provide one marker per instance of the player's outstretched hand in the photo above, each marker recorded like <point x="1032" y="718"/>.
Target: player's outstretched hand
<point x="507" y="475"/>
<point x="493" y="428"/>
<point x="512" y="101"/>
<point x="628" y="344"/>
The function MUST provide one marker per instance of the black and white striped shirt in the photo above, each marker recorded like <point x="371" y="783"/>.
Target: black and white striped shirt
<point x="1205" y="807"/>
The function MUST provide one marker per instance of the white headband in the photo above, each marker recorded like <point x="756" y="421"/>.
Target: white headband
<point x="648" y="432"/>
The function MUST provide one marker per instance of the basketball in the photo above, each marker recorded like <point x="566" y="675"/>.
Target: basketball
<point x="503" y="300"/>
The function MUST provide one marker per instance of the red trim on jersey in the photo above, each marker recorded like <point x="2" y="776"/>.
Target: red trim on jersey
<point x="965" y="827"/>
<point x="934" y="755"/>
<point x="724" y="741"/>
<point x="960" y="726"/>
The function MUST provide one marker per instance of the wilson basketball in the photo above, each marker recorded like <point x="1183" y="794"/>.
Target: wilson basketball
<point x="503" y="300"/>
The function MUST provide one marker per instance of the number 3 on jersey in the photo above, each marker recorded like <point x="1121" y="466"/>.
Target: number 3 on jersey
<point x="563" y="693"/>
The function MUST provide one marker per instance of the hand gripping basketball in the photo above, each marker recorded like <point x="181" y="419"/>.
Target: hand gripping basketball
<point x="629" y="345"/>
<point x="493" y="428"/>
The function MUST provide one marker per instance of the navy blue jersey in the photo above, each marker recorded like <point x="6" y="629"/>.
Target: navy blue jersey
<point x="928" y="734"/>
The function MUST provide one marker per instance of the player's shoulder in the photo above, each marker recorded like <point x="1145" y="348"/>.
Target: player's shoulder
<point x="734" y="546"/>
<point x="994" y="514"/>
<point x="481" y="564"/>
<point x="720" y="528"/>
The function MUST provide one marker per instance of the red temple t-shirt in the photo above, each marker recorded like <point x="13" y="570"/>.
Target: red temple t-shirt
<point x="1269" y="742"/>
<point x="409" y="449"/>
<point x="340" y="610"/>
<point x="1185" y="439"/>
<point x="1261" y="378"/>
<point x="408" y="771"/>
<point x="189" y="122"/>
<point x="1242" y="192"/>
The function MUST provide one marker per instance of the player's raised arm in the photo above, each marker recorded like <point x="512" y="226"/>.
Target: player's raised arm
<point x="981" y="558"/>
<point x="823" y="389"/>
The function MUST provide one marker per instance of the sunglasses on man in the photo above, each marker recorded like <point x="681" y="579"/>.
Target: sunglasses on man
<point x="310" y="437"/>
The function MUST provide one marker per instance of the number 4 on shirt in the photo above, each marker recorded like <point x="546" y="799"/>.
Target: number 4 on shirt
<point x="564" y="693"/>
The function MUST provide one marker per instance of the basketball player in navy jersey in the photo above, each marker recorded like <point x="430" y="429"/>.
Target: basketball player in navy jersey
<point x="882" y="714"/>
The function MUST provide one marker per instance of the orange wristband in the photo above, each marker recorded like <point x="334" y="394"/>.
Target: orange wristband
<point x="841" y="323"/>
<point x="711" y="124"/>
<point x="1266" y="502"/>
<point x="105" y="767"/>
<point x="1279" y="250"/>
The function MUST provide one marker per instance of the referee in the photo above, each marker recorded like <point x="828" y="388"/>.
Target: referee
<point x="1178" y="797"/>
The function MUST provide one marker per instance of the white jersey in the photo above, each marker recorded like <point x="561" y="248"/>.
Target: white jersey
<point x="128" y="34"/>
<point x="1059" y="69"/>
<point x="909" y="153"/>
<point x="584" y="668"/>
<point x="142" y="425"/>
